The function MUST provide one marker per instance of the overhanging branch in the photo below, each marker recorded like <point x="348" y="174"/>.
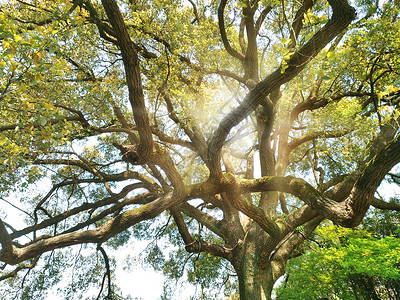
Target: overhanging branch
<point x="13" y="255"/>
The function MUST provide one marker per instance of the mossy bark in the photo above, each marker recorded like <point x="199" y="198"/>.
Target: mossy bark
<point x="253" y="266"/>
<point x="255" y="279"/>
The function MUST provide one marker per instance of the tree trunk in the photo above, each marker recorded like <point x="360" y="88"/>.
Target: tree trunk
<point x="255" y="281"/>
<point x="254" y="272"/>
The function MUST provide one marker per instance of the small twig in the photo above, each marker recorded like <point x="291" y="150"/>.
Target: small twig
<point x="106" y="275"/>
<point x="16" y="207"/>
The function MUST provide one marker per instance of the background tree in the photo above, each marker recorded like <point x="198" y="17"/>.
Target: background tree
<point x="345" y="264"/>
<point x="115" y="113"/>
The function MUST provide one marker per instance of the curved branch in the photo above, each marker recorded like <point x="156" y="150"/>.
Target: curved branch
<point x="380" y="204"/>
<point x="105" y="31"/>
<point x="172" y="140"/>
<point x="193" y="246"/>
<point x="258" y="214"/>
<point x="313" y="103"/>
<point x="73" y="211"/>
<point x="19" y="268"/>
<point x="348" y="213"/>
<point x="300" y="216"/>
<point x="115" y="209"/>
<point x="202" y="217"/>
<point x="284" y="250"/>
<point x="14" y="255"/>
<point x="227" y="73"/>
<point x="224" y="37"/>
<point x="338" y="212"/>
<point x="371" y="177"/>
<point x="107" y="274"/>
<point x="196" y="13"/>
<point x="298" y="20"/>
<point x="333" y="182"/>
<point x="312" y="136"/>
<point x="262" y="17"/>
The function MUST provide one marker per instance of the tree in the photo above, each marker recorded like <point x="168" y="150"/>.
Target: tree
<point x="129" y="111"/>
<point x="345" y="264"/>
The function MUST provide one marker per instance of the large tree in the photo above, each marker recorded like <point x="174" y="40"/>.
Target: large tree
<point x="114" y="113"/>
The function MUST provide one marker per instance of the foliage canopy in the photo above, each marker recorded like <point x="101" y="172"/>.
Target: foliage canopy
<point x="146" y="119"/>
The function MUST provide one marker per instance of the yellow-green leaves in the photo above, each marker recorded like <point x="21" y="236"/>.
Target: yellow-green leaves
<point x="311" y="19"/>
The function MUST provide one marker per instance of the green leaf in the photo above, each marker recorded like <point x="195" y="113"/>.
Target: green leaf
<point x="42" y="121"/>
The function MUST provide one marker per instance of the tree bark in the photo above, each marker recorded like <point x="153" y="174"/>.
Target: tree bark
<point x="254" y="270"/>
<point x="255" y="281"/>
<point x="133" y="78"/>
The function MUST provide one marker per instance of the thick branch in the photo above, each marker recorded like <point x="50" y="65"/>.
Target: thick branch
<point x="213" y="249"/>
<point x="13" y="255"/>
<point x="8" y="251"/>
<point x="258" y="214"/>
<point x="377" y="203"/>
<point x="133" y="79"/>
<point x="182" y="228"/>
<point x="202" y="217"/>
<point x="285" y="249"/>
<point x="105" y="31"/>
<point x="376" y="169"/>
<point x="325" y="206"/>
<point x="348" y="213"/>
<point x="224" y="37"/>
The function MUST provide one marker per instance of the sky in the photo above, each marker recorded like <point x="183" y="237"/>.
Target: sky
<point x="145" y="283"/>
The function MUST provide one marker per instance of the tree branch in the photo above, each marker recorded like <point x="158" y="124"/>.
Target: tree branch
<point x="19" y="268"/>
<point x="298" y="20"/>
<point x="343" y="14"/>
<point x="133" y="79"/>
<point x="258" y="214"/>
<point x="380" y="204"/>
<point x="314" y="135"/>
<point x="107" y="274"/>
<point x="8" y="251"/>
<point x="225" y="41"/>
<point x="12" y="255"/>
<point x="285" y="249"/>
<point x="371" y="177"/>
<point x="202" y="217"/>
<point x="74" y="211"/>
<point x="262" y="17"/>
<point x="193" y="246"/>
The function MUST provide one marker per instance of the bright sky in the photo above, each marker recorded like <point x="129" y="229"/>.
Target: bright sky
<point x="146" y="284"/>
